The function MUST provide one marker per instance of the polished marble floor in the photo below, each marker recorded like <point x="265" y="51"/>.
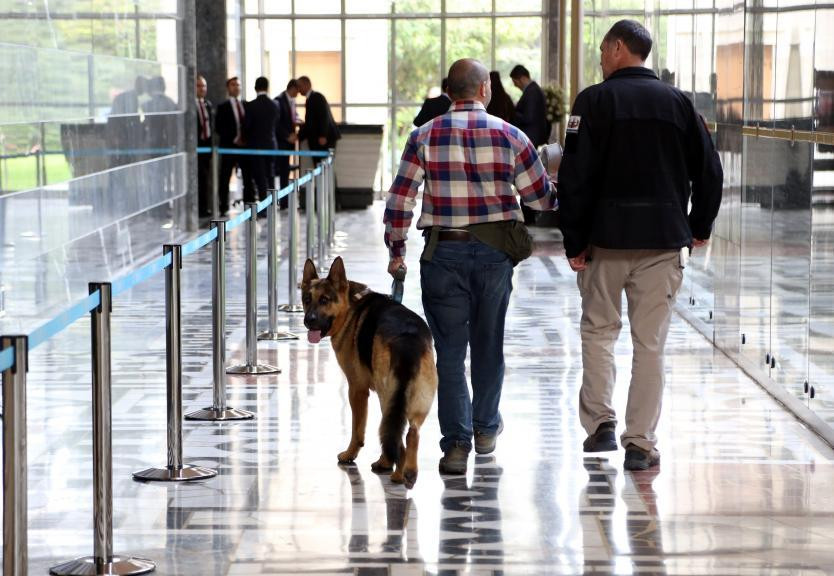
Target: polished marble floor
<point x="743" y="487"/>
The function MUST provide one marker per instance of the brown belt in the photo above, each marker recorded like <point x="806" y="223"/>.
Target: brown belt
<point x="454" y="236"/>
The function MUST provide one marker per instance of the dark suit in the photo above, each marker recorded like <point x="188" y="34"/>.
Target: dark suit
<point x="226" y="126"/>
<point x="259" y="131"/>
<point x="531" y="115"/>
<point x="319" y="122"/>
<point x="531" y="118"/>
<point x="432" y="108"/>
<point x="283" y="130"/>
<point x="204" y="160"/>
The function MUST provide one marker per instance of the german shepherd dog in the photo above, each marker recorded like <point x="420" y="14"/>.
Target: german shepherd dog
<point x="380" y="345"/>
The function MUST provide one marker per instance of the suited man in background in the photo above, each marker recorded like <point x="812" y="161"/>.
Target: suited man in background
<point x="204" y="139"/>
<point x="434" y="107"/>
<point x="530" y="117"/>
<point x="319" y="130"/>
<point x="259" y="132"/>
<point x="228" y="121"/>
<point x="285" y="131"/>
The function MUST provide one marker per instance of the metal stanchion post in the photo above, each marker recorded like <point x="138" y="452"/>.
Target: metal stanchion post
<point x="15" y="501"/>
<point x="321" y="214"/>
<point x="175" y="471"/>
<point x="102" y="561"/>
<point x="272" y="277"/>
<point x="251" y="366"/>
<point x="219" y="410"/>
<point x="292" y="263"/>
<point x="215" y="183"/>
<point x="309" y="201"/>
<point x="331" y="229"/>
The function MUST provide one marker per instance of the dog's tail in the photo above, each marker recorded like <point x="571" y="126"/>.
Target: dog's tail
<point x="405" y="354"/>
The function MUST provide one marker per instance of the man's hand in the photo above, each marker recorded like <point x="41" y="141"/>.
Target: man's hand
<point x="697" y="243"/>
<point x="394" y="264"/>
<point x="577" y="263"/>
<point x="322" y="140"/>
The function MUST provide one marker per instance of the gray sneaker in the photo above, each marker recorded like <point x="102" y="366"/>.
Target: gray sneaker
<point x="485" y="443"/>
<point x="454" y="459"/>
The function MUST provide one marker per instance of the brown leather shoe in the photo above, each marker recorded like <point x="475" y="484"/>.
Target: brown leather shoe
<point x="454" y="460"/>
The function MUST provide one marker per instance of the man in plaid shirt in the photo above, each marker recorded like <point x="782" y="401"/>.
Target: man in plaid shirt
<point x="471" y="165"/>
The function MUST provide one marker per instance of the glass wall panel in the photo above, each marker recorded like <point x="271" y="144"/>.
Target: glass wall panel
<point x="368" y="6"/>
<point x="518" y="41"/>
<point x="760" y="61"/>
<point x="277" y="6"/>
<point x="469" y="38"/>
<point x="366" y="53"/>
<point x="319" y="7"/>
<point x="277" y="55"/>
<point x="253" y="59"/>
<point x="794" y="66"/>
<point x="756" y="248"/>
<point x="417" y="6"/>
<point x="824" y="74"/>
<point x="518" y="5"/>
<point x="417" y="67"/>
<point x="482" y="6"/>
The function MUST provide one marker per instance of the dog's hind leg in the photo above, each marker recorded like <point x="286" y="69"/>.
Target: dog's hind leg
<point x="358" y="396"/>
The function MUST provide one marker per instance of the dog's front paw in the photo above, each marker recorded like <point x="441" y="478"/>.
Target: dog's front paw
<point x="347" y="457"/>
<point x="382" y="465"/>
<point x="397" y="476"/>
<point x="409" y="477"/>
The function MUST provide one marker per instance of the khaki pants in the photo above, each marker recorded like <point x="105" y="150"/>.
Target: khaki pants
<point x="651" y="280"/>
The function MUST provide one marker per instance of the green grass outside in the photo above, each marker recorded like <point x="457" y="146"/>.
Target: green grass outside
<point x="20" y="173"/>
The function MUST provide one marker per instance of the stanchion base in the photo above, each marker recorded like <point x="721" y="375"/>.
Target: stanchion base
<point x="89" y="567"/>
<point x="295" y="308"/>
<point x="184" y="474"/>
<point x="253" y="369"/>
<point x="216" y="414"/>
<point x="277" y="336"/>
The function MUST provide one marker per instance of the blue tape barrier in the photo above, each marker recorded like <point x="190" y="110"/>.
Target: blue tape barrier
<point x="51" y="328"/>
<point x="7" y="359"/>
<point x="199" y="242"/>
<point x="238" y="220"/>
<point x="150" y="269"/>
<point x="264" y="204"/>
<point x="283" y="192"/>
<point x="257" y="152"/>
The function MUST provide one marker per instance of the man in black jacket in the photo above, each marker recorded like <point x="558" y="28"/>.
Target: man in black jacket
<point x="319" y="128"/>
<point x="259" y="132"/>
<point x="285" y="131"/>
<point x="229" y="120"/>
<point x="204" y="139"/>
<point x="530" y="116"/>
<point x="434" y="107"/>
<point x="635" y="151"/>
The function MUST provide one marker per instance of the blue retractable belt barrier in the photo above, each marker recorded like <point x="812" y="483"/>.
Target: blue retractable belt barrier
<point x="238" y="220"/>
<point x="142" y="274"/>
<point x="49" y="329"/>
<point x="7" y="359"/>
<point x="264" y="204"/>
<point x="199" y="242"/>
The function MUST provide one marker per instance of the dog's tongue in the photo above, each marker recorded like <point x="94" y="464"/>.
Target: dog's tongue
<point x="314" y="336"/>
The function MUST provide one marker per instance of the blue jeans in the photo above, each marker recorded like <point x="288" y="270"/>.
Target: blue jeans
<point x="466" y="289"/>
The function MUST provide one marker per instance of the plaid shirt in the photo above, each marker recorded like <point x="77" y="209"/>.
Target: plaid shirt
<point x="469" y="162"/>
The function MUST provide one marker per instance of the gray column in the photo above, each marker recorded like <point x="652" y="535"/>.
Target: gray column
<point x="189" y="61"/>
<point x="211" y="47"/>
<point x="554" y="57"/>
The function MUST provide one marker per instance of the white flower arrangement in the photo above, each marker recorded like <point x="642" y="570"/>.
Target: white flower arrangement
<point x="555" y="102"/>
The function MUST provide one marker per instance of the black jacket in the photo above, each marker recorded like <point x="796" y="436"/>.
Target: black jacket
<point x="259" y="124"/>
<point x="209" y="119"/>
<point x="225" y="124"/>
<point x="318" y="121"/>
<point x="432" y="108"/>
<point x="286" y="123"/>
<point x="531" y="115"/>
<point x="635" y="150"/>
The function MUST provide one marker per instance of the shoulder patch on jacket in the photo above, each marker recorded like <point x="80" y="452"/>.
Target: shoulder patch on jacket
<point x="573" y="124"/>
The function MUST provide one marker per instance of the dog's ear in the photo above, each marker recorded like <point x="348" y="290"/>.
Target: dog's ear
<point x="310" y="274"/>
<point x="337" y="275"/>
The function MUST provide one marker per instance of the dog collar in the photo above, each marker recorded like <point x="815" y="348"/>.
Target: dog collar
<point x="359" y="295"/>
